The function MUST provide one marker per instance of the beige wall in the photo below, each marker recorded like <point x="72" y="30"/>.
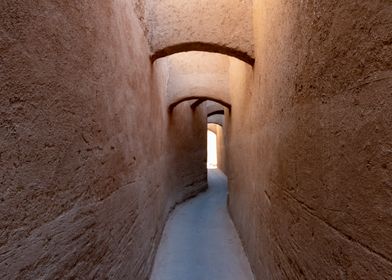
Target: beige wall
<point x="310" y="144"/>
<point x="197" y="74"/>
<point x="224" y="23"/>
<point x="90" y="161"/>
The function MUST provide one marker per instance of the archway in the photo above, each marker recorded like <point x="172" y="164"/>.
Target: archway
<point x="205" y="47"/>
<point x="218" y="112"/>
<point x="200" y="99"/>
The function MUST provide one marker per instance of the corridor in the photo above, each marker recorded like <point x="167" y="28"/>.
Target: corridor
<point x="200" y="242"/>
<point x="106" y="108"/>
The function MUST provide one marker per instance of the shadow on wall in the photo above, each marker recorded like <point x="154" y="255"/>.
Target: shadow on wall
<point x="187" y="148"/>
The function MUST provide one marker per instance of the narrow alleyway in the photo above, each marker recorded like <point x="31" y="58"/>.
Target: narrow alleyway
<point x="105" y="112"/>
<point x="200" y="242"/>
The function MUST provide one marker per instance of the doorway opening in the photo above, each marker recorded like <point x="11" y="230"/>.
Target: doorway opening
<point x="212" y="152"/>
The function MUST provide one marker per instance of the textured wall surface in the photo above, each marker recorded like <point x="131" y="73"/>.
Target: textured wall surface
<point x="198" y="74"/>
<point x="311" y="145"/>
<point x="86" y="175"/>
<point x="226" y="23"/>
<point x="184" y="139"/>
<point x="91" y="162"/>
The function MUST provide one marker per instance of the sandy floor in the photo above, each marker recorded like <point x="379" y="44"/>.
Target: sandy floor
<point x="200" y="242"/>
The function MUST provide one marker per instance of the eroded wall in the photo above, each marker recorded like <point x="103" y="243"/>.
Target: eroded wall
<point x="86" y="176"/>
<point x="310" y="141"/>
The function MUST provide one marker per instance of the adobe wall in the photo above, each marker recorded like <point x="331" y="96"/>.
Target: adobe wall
<point x="310" y="142"/>
<point x="197" y="73"/>
<point x="223" y="24"/>
<point x="85" y="182"/>
<point x="183" y="139"/>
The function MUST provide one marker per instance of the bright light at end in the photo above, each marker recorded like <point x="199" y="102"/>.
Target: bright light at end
<point x="212" y="158"/>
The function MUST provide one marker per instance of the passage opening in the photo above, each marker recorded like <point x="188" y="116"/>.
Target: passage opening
<point x="212" y="153"/>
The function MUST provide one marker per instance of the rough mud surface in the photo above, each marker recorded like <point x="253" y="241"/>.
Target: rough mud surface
<point x="310" y="142"/>
<point x="88" y="165"/>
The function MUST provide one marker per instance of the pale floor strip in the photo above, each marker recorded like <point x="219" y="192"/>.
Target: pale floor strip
<point x="200" y="241"/>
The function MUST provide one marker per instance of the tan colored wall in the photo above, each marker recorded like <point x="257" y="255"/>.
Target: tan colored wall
<point x="310" y="144"/>
<point x="85" y="182"/>
<point x="197" y="74"/>
<point x="225" y="23"/>
<point x="182" y="140"/>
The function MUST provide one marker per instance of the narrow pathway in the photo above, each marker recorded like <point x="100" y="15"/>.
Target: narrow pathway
<point x="200" y="242"/>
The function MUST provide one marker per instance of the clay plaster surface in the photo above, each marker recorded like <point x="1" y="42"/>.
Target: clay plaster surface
<point x="310" y="142"/>
<point x="90" y="163"/>
<point x="197" y="74"/>
<point x="225" y="23"/>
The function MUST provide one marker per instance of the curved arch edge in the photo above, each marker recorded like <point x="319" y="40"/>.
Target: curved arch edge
<point x="204" y="47"/>
<point x="200" y="99"/>
<point x="213" y="122"/>
<point x="218" y="112"/>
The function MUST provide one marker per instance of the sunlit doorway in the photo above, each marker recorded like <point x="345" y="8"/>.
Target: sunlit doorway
<point x="212" y="154"/>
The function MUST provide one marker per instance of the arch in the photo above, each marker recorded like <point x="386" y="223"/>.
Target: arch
<point x="204" y="47"/>
<point x="216" y="122"/>
<point x="200" y="99"/>
<point x="216" y="119"/>
<point x="212" y="107"/>
<point x="197" y="103"/>
<point x="218" y="112"/>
